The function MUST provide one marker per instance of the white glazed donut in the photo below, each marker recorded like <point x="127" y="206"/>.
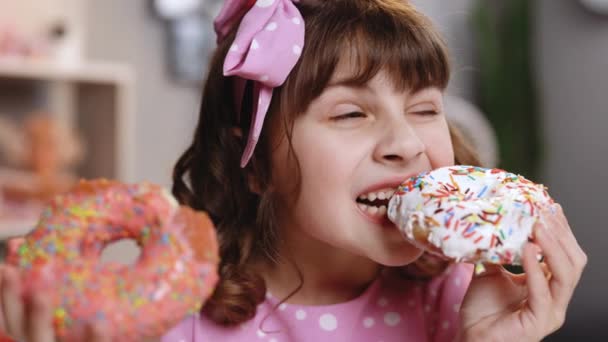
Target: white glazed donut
<point x="468" y="213"/>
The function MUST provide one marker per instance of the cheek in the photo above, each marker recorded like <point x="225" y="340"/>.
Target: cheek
<point x="323" y="168"/>
<point x="439" y="148"/>
<point x="326" y="159"/>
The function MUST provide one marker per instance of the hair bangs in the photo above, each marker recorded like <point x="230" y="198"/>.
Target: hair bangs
<point x="412" y="59"/>
<point x="369" y="37"/>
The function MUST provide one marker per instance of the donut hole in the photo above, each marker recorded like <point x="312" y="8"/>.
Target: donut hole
<point x="123" y="251"/>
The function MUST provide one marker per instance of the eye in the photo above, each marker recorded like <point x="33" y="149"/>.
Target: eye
<point x="352" y="115"/>
<point x="426" y="112"/>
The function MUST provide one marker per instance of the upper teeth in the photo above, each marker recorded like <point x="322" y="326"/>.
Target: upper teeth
<point x="381" y="195"/>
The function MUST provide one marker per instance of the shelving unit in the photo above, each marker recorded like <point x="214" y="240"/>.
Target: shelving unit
<point x="96" y="98"/>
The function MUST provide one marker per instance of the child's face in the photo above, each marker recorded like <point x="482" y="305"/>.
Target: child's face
<point x="388" y="136"/>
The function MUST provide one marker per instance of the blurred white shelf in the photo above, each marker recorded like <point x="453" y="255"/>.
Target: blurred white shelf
<point x="98" y="98"/>
<point x="39" y="69"/>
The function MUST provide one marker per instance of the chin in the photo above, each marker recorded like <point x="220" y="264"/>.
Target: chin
<point x="403" y="256"/>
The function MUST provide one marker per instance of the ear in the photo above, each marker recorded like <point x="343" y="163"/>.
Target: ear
<point x="254" y="185"/>
<point x="252" y="182"/>
<point x="237" y="132"/>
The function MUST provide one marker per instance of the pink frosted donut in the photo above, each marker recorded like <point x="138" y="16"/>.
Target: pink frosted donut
<point x="175" y="273"/>
<point x="468" y="213"/>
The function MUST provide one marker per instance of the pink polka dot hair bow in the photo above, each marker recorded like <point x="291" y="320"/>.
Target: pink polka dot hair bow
<point x="267" y="46"/>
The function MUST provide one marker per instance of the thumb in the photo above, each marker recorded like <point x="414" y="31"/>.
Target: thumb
<point x="97" y="333"/>
<point x="39" y="322"/>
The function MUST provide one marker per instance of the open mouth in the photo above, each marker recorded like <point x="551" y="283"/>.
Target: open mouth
<point x="374" y="203"/>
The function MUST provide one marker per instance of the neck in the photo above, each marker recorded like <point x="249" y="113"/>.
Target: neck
<point x="324" y="274"/>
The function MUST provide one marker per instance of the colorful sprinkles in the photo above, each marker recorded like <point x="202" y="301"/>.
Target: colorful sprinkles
<point x="170" y="279"/>
<point x="470" y="213"/>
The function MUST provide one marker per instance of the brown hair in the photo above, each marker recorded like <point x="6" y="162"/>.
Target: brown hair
<point x="376" y="34"/>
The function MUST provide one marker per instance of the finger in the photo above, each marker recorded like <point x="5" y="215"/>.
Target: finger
<point x="566" y="237"/>
<point x="555" y="220"/>
<point x="95" y="333"/>
<point x="2" y="321"/>
<point x="12" y="303"/>
<point x="546" y="270"/>
<point x="39" y="324"/>
<point x="539" y="293"/>
<point x="562" y="282"/>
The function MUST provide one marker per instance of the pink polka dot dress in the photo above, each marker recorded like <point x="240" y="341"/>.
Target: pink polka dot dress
<point x="390" y="309"/>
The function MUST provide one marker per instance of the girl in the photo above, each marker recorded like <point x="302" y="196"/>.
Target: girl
<point x="349" y="95"/>
<point x="302" y="257"/>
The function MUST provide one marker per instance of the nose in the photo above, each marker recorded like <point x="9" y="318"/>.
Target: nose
<point x="399" y="144"/>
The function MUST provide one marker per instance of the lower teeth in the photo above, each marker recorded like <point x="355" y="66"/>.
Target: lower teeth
<point x="375" y="211"/>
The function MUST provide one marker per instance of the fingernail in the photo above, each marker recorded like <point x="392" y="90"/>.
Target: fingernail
<point x="539" y="256"/>
<point x="554" y="208"/>
<point x="545" y="208"/>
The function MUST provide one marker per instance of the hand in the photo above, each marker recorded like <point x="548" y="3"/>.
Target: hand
<point x="500" y="306"/>
<point x="29" y="318"/>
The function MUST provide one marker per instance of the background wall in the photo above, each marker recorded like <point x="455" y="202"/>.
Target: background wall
<point x="127" y="31"/>
<point x="572" y="67"/>
<point x="572" y="64"/>
<point x="452" y="19"/>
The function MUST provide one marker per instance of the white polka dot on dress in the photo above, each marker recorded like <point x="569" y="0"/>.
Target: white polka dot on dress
<point x="382" y="302"/>
<point x="368" y="322"/>
<point x="234" y="47"/>
<point x="282" y="307"/>
<point x="271" y="26"/>
<point x="300" y="315"/>
<point x="260" y="333"/>
<point x="255" y="45"/>
<point x="296" y="21"/>
<point x="445" y="325"/>
<point x="456" y="308"/>
<point x="264" y="3"/>
<point x="392" y="318"/>
<point x="328" y="322"/>
<point x="297" y="49"/>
